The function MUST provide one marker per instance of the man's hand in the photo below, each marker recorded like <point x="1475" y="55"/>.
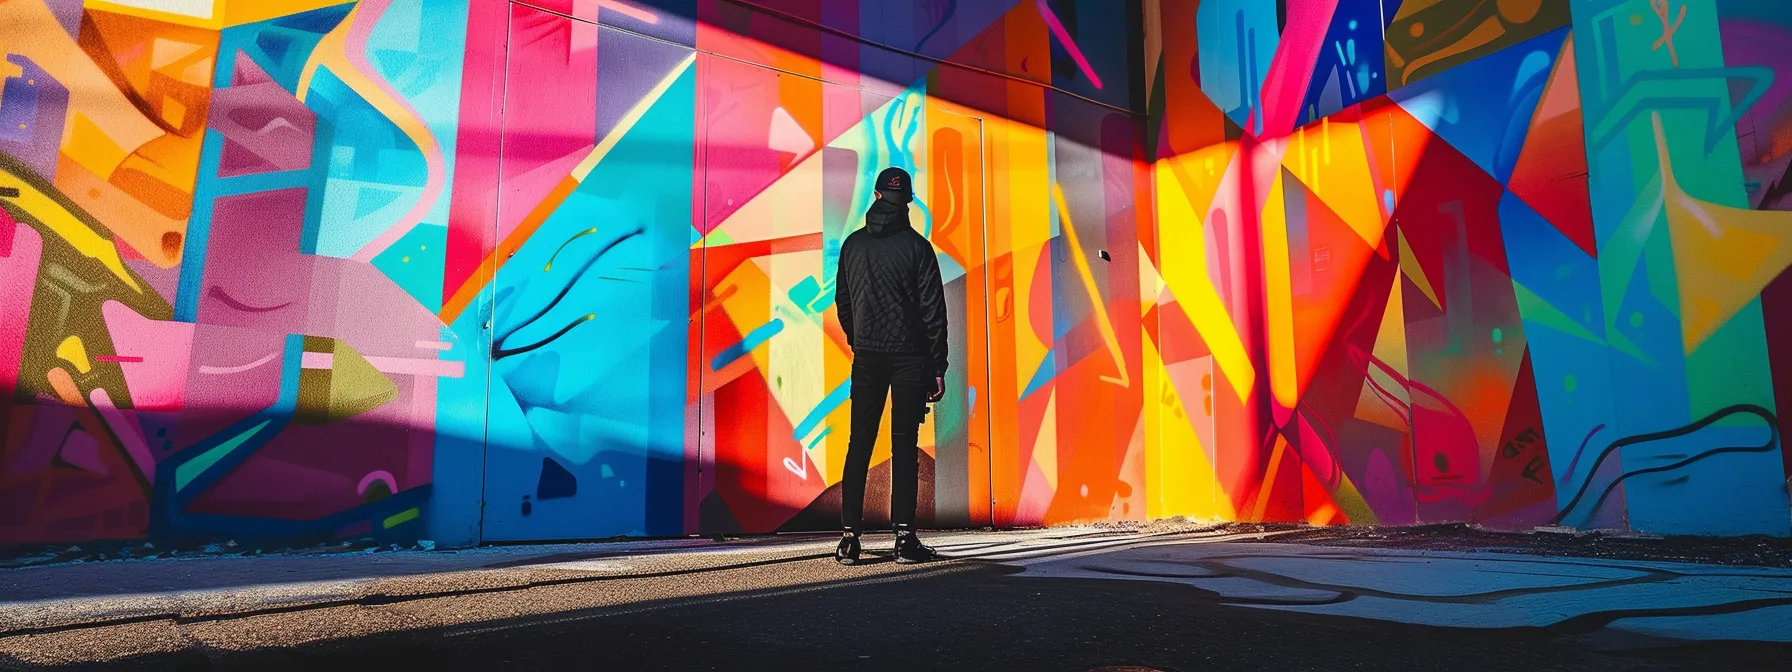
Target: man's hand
<point x="939" y="390"/>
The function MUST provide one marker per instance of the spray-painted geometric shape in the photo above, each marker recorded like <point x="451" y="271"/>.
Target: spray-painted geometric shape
<point x="337" y="383"/>
<point x="555" y="481"/>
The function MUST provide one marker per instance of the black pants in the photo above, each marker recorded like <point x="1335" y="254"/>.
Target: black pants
<point x="906" y="380"/>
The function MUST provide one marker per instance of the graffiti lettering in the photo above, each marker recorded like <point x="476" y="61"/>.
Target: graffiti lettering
<point x="1537" y="464"/>
<point x="1661" y="9"/>
<point x="1519" y="443"/>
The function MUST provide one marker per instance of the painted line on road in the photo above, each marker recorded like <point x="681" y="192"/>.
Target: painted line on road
<point x="1060" y="551"/>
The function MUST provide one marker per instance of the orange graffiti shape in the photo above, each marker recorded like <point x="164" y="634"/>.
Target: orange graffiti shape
<point x="1668" y="28"/>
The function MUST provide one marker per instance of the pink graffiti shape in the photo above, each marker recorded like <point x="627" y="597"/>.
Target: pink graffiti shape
<point x="130" y="434"/>
<point x="1051" y="21"/>
<point x="157" y="354"/>
<point x="635" y="13"/>
<point x="1451" y="433"/>
<point x="379" y="475"/>
<point x="18" y="281"/>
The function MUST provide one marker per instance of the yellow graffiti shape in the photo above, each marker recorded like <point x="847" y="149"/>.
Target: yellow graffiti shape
<point x="1332" y="162"/>
<point x="63" y="222"/>
<point x="1410" y="267"/>
<point x="1723" y="256"/>
<point x="1279" y="298"/>
<point x="73" y="351"/>
<point x="1269" y="480"/>
<point x="1182" y="258"/>
<point x="1045" y="444"/>
<point x="1088" y="277"/>
<point x="209" y="14"/>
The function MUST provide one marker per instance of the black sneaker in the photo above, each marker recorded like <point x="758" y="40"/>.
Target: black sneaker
<point x="910" y="550"/>
<point x="847" y="553"/>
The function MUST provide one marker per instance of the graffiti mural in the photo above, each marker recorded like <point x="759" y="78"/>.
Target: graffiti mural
<point x="220" y="223"/>
<point x="656" y="272"/>
<point x="1526" y="270"/>
<point x="560" y="269"/>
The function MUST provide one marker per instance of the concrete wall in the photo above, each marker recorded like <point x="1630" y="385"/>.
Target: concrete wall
<point x="479" y="271"/>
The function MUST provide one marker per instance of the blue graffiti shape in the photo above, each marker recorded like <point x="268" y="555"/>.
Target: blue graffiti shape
<point x="1252" y="100"/>
<point x="1661" y="90"/>
<point x="945" y="18"/>
<point x="555" y="481"/>
<point x="821" y="410"/>
<point x="498" y="349"/>
<point x="198" y="468"/>
<point x="1579" y="453"/>
<point x="1773" y="439"/>
<point x="753" y="340"/>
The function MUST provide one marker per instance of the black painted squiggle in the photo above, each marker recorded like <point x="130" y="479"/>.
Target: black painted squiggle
<point x="1773" y="439"/>
<point x="498" y="351"/>
<point x="500" y="354"/>
<point x="1595" y="620"/>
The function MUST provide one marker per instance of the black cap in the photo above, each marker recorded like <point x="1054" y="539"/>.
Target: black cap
<point x="895" y="185"/>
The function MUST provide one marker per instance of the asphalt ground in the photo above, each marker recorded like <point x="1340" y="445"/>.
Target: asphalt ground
<point x="786" y="607"/>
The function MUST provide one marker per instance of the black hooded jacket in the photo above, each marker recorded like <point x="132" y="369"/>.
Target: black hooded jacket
<point x="888" y="291"/>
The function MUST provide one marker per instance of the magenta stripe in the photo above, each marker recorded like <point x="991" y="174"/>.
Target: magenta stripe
<point x="1051" y="21"/>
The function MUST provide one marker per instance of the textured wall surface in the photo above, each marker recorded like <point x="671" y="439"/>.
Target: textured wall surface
<point x="1514" y="263"/>
<point x="486" y="270"/>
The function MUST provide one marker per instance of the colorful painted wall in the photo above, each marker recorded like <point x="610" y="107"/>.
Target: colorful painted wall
<point x="552" y="269"/>
<point x="1515" y="263"/>
<point x="221" y="256"/>
<point x="478" y="270"/>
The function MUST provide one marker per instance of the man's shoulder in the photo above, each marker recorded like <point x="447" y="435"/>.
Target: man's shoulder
<point x="852" y="238"/>
<point x="919" y="241"/>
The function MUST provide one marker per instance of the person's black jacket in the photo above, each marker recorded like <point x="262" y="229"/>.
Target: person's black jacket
<point x="888" y="290"/>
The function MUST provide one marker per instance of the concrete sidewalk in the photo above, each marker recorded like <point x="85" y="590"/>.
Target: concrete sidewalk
<point x="88" y="594"/>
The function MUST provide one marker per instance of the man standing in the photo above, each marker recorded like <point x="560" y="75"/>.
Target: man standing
<point x="892" y="306"/>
